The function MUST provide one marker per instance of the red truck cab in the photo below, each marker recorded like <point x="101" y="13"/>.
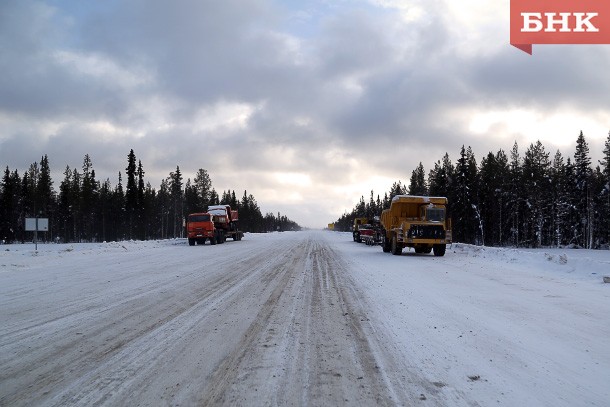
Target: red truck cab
<point x="200" y="227"/>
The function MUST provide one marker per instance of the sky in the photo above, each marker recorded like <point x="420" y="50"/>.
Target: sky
<point x="307" y="105"/>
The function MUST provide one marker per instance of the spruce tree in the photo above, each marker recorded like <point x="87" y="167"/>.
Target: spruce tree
<point x="131" y="194"/>
<point x="582" y="193"/>
<point x="9" y="201"/>
<point x="514" y="197"/>
<point x="118" y="209"/>
<point x="468" y="223"/>
<point x="164" y="207"/>
<point x="605" y="194"/>
<point x="493" y="177"/>
<point x="439" y="178"/>
<point x="561" y="201"/>
<point x="417" y="184"/>
<point x="104" y="209"/>
<point x="44" y="191"/>
<point x="203" y="186"/>
<point x="537" y="185"/>
<point x="88" y="197"/>
<point x="176" y="193"/>
<point x="141" y="204"/>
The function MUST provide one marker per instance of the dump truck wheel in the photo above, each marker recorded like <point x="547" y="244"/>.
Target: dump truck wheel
<point x="191" y="242"/>
<point x="396" y="249"/>
<point x="439" y="249"/>
<point x="385" y="244"/>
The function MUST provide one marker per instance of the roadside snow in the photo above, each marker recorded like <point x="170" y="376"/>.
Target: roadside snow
<point x="485" y="326"/>
<point x="508" y="326"/>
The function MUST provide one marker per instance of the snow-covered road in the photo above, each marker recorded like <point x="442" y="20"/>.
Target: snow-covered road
<point x="308" y="318"/>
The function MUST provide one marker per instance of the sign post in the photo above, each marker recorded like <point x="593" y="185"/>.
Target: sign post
<point x="36" y="224"/>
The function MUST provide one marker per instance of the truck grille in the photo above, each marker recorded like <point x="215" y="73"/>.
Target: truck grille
<point x="426" y="232"/>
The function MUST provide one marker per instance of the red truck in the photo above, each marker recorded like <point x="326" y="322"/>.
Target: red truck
<point x="217" y="224"/>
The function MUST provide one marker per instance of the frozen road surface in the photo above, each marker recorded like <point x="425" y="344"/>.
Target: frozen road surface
<point x="307" y="318"/>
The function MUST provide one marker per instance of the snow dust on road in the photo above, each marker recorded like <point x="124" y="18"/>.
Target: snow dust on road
<point x="307" y="318"/>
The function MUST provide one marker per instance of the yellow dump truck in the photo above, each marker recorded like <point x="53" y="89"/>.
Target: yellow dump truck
<point x="416" y="221"/>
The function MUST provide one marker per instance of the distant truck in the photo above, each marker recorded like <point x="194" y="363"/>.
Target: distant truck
<point x="416" y="221"/>
<point x="371" y="233"/>
<point x="358" y="222"/>
<point x="215" y="225"/>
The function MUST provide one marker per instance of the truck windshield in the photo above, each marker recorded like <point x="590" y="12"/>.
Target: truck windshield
<point x="199" y="218"/>
<point x="436" y="214"/>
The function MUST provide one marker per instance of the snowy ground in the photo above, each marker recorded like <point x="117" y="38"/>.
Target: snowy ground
<point x="308" y="318"/>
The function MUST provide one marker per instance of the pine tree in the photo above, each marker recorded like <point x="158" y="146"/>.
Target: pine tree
<point x="88" y="201"/>
<point x="104" y="209"/>
<point x="597" y="203"/>
<point x="131" y="194"/>
<point x="44" y="191"/>
<point x="537" y="184"/>
<point x="493" y="176"/>
<point x="176" y="193"/>
<point x="164" y="200"/>
<point x="214" y="200"/>
<point x="9" y="201"/>
<point x="417" y="184"/>
<point x="371" y="207"/>
<point x="118" y="210"/>
<point x="514" y="197"/>
<point x="203" y="186"/>
<point x="604" y="194"/>
<point x="466" y="215"/>
<point x="561" y="201"/>
<point x="439" y="178"/>
<point x="233" y="201"/>
<point x="141" y="204"/>
<point x="582" y="193"/>
<point x="149" y="208"/>
<point x="76" y="211"/>
<point x="396" y="189"/>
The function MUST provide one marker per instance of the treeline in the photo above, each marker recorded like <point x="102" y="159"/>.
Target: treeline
<point x="512" y="200"/>
<point x="86" y="209"/>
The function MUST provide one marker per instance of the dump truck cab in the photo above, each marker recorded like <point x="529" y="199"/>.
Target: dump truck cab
<point x="416" y="221"/>
<point x="200" y="227"/>
<point x="356" y="228"/>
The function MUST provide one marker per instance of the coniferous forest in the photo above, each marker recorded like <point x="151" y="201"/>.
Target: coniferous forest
<point x="85" y="209"/>
<point x="509" y="199"/>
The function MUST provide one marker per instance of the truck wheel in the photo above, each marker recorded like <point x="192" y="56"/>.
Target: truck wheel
<point x="213" y="240"/>
<point x="396" y="249"/>
<point x="439" y="249"/>
<point x="191" y="242"/>
<point x="385" y="244"/>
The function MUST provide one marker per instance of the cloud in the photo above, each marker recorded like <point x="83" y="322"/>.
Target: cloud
<point x="306" y="105"/>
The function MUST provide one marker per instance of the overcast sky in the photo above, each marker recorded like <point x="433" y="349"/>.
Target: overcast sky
<point x="307" y="105"/>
